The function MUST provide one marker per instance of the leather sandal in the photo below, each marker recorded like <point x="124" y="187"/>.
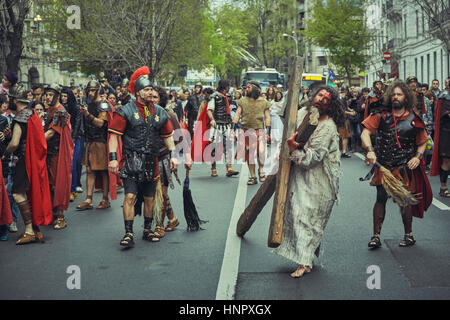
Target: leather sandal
<point x="408" y="241"/>
<point x="127" y="240"/>
<point x="159" y="232"/>
<point x="104" y="204"/>
<point x="86" y="205"/>
<point x="252" y="181"/>
<point x="172" y="224"/>
<point x="231" y="172"/>
<point x="214" y="173"/>
<point x="444" y="193"/>
<point x="149" y="235"/>
<point x="262" y="177"/>
<point x="374" y="242"/>
<point x="60" y="223"/>
<point x="26" y="238"/>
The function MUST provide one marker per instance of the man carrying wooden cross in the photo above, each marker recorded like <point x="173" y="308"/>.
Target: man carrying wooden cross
<point x="313" y="180"/>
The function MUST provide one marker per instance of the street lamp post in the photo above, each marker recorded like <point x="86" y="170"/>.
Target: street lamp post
<point x="295" y="39"/>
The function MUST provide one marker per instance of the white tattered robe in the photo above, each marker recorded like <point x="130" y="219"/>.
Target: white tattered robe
<point x="312" y="192"/>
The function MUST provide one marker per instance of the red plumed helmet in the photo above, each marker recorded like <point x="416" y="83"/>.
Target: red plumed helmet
<point x="143" y="71"/>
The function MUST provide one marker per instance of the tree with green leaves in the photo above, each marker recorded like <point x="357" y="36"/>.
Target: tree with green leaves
<point x="128" y="34"/>
<point x="339" y="26"/>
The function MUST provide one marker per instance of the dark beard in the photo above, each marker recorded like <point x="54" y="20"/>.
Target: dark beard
<point x="398" y="106"/>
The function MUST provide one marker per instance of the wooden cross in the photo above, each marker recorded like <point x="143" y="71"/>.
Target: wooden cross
<point x="277" y="183"/>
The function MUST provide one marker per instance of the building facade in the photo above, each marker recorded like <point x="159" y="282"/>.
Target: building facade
<point x="401" y="28"/>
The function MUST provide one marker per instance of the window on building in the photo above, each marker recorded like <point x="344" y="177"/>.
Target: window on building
<point x="415" y="67"/>
<point x="421" y="69"/>
<point x="404" y="69"/>
<point x="423" y="23"/>
<point x="417" y="22"/>
<point x="405" y="27"/>
<point x="428" y="68"/>
<point x="434" y="65"/>
<point x="322" y="60"/>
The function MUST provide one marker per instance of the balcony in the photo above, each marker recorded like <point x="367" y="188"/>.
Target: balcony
<point x="393" y="9"/>
<point x="440" y="19"/>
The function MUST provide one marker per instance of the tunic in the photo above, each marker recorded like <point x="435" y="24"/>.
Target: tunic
<point x="312" y="192"/>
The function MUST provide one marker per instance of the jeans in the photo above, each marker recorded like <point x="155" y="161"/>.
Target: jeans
<point x="77" y="163"/>
<point x="14" y="207"/>
<point x="356" y="134"/>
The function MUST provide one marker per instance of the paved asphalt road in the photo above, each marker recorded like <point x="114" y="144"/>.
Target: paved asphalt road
<point x="188" y="266"/>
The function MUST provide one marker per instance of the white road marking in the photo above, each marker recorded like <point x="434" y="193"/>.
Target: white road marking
<point x="435" y="202"/>
<point x="226" y="288"/>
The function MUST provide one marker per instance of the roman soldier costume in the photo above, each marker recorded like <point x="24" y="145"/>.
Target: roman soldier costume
<point x="59" y="156"/>
<point x="96" y="150"/>
<point x="441" y="149"/>
<point x="141" y="127"/>
<point x="29" y="177"/>
<point x="396" y="143"/>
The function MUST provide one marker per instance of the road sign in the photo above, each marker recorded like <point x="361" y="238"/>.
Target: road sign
<point x="386" y="55"/>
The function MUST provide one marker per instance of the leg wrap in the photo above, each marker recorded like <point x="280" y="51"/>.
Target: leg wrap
<point x="443" y="175"/>
<point x="407" y="218"/>
<point x="25" y="211"/>
<point x="129" y="226"/>
<point x="148" y="223"/>
<point x="379" y="210"/>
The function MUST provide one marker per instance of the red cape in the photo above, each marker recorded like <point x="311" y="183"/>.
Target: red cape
<point x="199" y="141"/>
<point x="436" y="161"/>
<point x="5" y="209"/>
<point x="64" y="172"/>
<point x="423" y="188"/>
<point x="36" y="166"/>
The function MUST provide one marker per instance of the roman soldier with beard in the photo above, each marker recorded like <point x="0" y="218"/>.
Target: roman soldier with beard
<point x="400" y="144"/>
<point x="374" y="98"/>
<point x="141" y="124"/>
<point x="59" y="154"/>
<point x="30" y="186"/>
<point x="95" y="148"/>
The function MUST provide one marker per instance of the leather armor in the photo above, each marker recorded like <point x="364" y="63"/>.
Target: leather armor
<point x="220" y="108"/>
<point x="141" y="141"/>
<point x="92" y="132"/>
<point x="388" y="152"/>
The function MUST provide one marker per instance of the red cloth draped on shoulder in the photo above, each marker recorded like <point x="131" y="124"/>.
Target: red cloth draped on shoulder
<point x="5" y="209"/>
<point x="64" y="172"/>
<point x="36" y="166"/>
<point x="436" y="161"/>
<point x="198" y="145"/>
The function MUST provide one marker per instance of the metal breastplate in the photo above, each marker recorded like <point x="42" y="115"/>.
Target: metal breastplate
<point x="387" y="148"/>
<point x="140" y="136"/>
<point x="220" y="109"/>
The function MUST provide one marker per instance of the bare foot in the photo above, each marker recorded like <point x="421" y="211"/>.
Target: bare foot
<point x="301" y="270"/>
